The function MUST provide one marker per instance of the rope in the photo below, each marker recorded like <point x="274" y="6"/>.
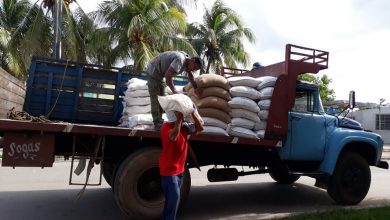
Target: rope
<point x="24" y="116"/>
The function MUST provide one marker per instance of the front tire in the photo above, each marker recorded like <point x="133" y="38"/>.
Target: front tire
<point x="137" y="187"/>
<point x="351" y="180"/>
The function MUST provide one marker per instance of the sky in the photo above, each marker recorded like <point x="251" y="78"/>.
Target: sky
<point x="356" y="33"/>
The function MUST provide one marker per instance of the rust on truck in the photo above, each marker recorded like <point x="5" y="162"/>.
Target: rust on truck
<point x="298" y="60"/>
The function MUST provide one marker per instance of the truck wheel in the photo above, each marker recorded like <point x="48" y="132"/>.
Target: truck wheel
<point x="280" y="173"/>
<point x="108" y="168"/>
<point x="351" y="180"/>
<point x="137" y="187"/>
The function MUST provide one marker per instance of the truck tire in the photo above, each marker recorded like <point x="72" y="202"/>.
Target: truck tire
<point x="137" y="186"/>
<point x="108" y="168"/>
<point x="351" y="179"/>
<point x="280" y="173"/>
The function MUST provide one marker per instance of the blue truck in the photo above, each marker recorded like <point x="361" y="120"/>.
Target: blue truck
<point x="300" y="138"/>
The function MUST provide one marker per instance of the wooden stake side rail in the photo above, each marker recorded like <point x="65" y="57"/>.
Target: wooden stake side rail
<point x="8" y="125"/>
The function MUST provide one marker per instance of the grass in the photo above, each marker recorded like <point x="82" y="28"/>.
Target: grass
<point x="378" y="213"/>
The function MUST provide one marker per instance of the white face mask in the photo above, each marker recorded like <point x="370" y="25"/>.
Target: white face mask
<point x="171" y="116"/>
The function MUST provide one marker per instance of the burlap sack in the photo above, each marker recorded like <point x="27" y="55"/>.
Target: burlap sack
<point x="213" y="102"/>
<point x="215" y="113"/>
<point x="209" y="80"/>
<point x="212" y="91"/>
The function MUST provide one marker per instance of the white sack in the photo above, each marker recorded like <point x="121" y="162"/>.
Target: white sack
<point x="266" y="93"/>
<point x="264" y="104"/>
<point x="132" y="101"/>
<point x="177" y="102"/>
<point x="260" y="134"/>
<point x="134" y="110"/>
<point x="243" y="81"/>
<point x="244" y="103"/>
<point x="214" y="130"/>
<point x="242" y="122"/>
<point x="137" y="93"/>
<point x="179" y="89"/>
<point x="137" y="84"/>
<point x="241" y="132"/>
<point x="245" y="91"/>
<point x="140" y="119"/>
<point x="266" y="81"/>
<point x="243" y="113"/>
<point x="263" y="114"/>
<point x="262" y="125"/>
<point x="208" y="121"/>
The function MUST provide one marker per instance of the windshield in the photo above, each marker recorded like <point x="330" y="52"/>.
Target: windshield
<point x="307" y="100"/>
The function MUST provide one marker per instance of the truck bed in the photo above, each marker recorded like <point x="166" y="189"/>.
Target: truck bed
<point x="8" y="125"/>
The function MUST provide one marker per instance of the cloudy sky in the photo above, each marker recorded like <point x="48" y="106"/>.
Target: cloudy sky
<point x="355" y="32"/>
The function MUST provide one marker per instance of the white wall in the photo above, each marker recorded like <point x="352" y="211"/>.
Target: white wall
<point x="367" y="119"/>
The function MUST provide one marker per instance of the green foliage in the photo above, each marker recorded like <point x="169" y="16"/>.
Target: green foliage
<point x="326" y="93"/>
<point x="27" y="29"/>
<point x="219" y="38"/>
<point x="141" y="29"/>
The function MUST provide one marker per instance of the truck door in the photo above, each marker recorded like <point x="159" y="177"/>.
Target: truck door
<point x="307" y="127"/>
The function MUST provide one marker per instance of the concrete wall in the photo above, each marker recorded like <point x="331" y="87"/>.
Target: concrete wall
<point x="12" y="93"/>
<point x="367" y="119"/>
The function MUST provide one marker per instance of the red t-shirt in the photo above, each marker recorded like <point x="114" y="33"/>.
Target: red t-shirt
<point x="174" y="153"/>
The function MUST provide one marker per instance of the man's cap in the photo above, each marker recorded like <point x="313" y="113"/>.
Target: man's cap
<point x="257" y="64"/>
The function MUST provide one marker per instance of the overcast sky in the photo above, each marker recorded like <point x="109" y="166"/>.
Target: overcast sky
<point x="355" y="32"/>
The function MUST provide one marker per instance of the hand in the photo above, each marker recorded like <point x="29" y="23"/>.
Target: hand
<point x="198" y="91"/>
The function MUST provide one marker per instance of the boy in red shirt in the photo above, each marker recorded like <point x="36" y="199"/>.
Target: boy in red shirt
<point x="173" y="158"/>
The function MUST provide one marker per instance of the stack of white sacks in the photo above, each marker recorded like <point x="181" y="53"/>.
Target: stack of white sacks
<point x="249" y="105"/>
<point x="213" y="104"/>
<point x="136" y="106"/>
<point x="266" y="89"/>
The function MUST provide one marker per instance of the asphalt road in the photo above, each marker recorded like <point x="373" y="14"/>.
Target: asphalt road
<point x="34" y="193"/>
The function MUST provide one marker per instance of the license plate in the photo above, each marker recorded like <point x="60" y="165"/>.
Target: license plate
<point x="28" y="150"/>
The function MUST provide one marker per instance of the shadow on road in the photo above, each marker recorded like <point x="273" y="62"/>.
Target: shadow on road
<point x="252" y="200"/>
<point x="222" y="201"/>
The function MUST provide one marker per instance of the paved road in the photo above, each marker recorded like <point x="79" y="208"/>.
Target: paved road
<point x="34" y="193"/>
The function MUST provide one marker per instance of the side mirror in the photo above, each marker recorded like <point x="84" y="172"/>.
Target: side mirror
<point x="351" y="103"/>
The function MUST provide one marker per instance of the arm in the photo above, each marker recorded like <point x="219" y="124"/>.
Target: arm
<point x="169" y="79"/>
<point x="198" y="91"/>
<point x="176" y="129"/>
<point x="198" y="122"/>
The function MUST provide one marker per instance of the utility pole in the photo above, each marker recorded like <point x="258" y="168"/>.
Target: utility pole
<point x="57" y="48"/>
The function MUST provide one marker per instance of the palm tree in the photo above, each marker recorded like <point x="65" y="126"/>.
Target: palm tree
<point x="140" y="29"/>
<point x="17" y="41"/>
<point x="219" y="38"/>
<point x="27" y="30"/>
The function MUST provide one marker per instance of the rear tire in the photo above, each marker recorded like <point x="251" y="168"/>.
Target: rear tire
<point x="280" y="173"/>
<point x="137" y="187"/>
<point x="108" y="169"/>
<point x="351" y="180"/>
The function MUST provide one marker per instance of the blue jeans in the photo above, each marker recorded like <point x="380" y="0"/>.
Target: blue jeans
<point x="171" y="186"/>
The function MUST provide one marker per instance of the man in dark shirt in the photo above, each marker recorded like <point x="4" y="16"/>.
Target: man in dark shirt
<point x="166" y="65"/>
